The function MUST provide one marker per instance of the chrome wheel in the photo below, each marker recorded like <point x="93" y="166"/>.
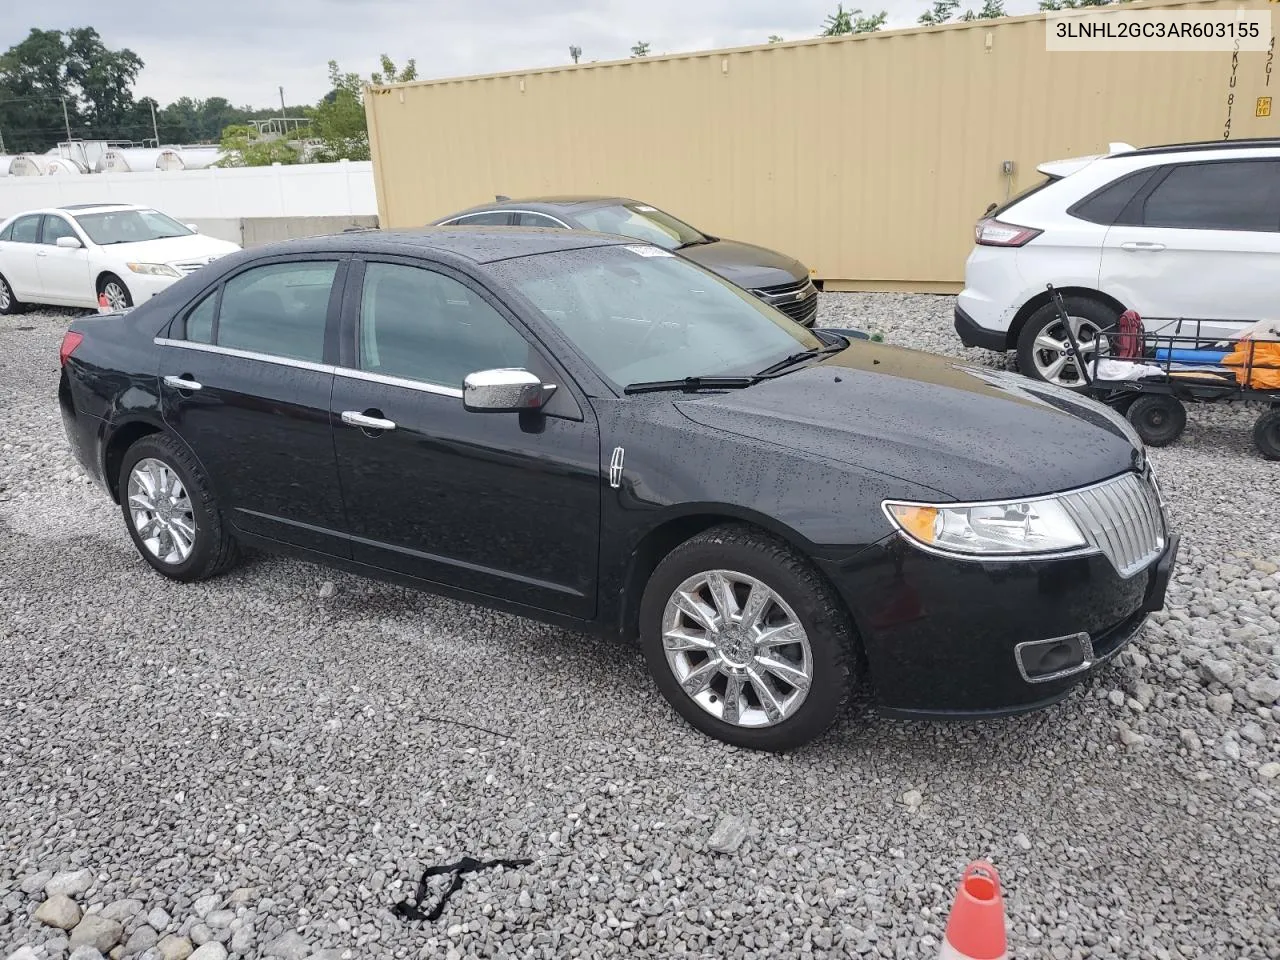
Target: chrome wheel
<point x="117" y="296"/>
<point x="6" y="298"/>
<point x="1056" y="362"/>
<point x="737" y="649"/>
<point x="161" y="511"/>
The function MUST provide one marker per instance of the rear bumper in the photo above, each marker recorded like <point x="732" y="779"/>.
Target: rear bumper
<point x="84" y="433"/>
<point x="972" y="335"/>
<point x="943" y="636"/>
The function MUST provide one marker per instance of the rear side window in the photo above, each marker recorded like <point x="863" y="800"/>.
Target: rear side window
<point x="280" y="310"/>
<point x="1226" y="195"/>
<point x="495" y="218"/>
<point x="1105" y="206"/>
<point x="26" y="229"/>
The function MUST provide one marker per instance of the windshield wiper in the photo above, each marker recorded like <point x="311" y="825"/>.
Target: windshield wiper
<point x="802" y="356"/>
<point x="689" y="384"/>
<point x="695" y="243"/>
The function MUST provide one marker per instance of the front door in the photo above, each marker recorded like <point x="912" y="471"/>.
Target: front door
<point x="1200" y="242"/>
<point x="64" y="272"/>
<point x="246" y="383"/>
<point x="499" y="505"/>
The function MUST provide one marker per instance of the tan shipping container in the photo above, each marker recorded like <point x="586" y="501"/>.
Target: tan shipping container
<point x="868" y="157"/>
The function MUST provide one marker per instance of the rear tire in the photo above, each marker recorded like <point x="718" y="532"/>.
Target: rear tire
<point x="9" y="304"/>
<point x="1266" y="434"/>
<point x="786" y="632"/>
<point x="170" y="511"/>
<point x="1090" y="318"/>
<point x="118" y="295"/>
<point x="1158" y="419"/>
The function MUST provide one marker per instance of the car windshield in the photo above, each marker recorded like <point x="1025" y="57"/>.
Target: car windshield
<point x="641" y="314"/>
<point x="642" y="222"/>
<point x="129" y="226"/>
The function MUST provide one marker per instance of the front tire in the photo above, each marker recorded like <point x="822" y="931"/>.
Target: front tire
<point x="746" y="640"/>
<point x="117" y="294"/>
<point x="9" y="304"/>
<point x="1043" y="345"/>
<point x="170" y="511"/>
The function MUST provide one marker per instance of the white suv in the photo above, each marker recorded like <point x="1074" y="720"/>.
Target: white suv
<point x="1183" y="232"/>
<point x="71" y="256"/>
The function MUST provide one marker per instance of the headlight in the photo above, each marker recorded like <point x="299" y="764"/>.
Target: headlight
<point x="154" y="269"/>
<point x="1010" y="529"/>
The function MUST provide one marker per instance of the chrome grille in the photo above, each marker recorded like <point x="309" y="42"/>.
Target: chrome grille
<point x="1122" y="518"/>
<point x="798" y="300"/>
<point x="191" y="266"/>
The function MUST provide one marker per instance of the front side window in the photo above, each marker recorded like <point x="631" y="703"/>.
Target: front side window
<point x="417" y="324"/>
<point x="537" y="220"/>
<point x="129" y="226"/>
<point x="26" y="229"/>
<point x="1225" y="195"/>
<point x="55" y="227"/>
<point x="639" y="313"/>
<point x="643" y="222"/>
<point x="280" y="310"/>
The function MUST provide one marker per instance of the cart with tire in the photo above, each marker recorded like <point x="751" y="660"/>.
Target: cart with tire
<point x="1151" y="377"/>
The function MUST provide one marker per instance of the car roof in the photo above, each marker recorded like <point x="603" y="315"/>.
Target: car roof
<point x="485" y="244"/>
<point x="84" y="207"/>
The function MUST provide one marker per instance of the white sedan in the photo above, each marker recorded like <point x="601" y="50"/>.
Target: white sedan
<point x="71" y="256"/>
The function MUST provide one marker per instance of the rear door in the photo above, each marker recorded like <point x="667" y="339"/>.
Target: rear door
<point x="64" y="273"/>
<point x="18" y="257"/>
<point x="246" y="378"/>
<point x="1200" y="241"/>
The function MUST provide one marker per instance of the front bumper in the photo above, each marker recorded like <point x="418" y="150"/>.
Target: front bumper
<point x="941" y="636"/>
<point x="144" y="286"/>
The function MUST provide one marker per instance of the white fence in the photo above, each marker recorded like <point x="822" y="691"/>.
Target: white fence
<point x="303" y="190"/>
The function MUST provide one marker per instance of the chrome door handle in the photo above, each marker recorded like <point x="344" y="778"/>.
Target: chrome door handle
<point x="355" y="418"/>
<point x="41" y="253"/>
<point x="1142" y="245"/>
<point x="182" y="384"/>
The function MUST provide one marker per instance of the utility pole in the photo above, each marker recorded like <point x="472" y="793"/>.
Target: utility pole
<point x="155" y="129"/>
<point x="1" y="141"/>
<point x="283" y="112"/>
<point x="65" y="118"/>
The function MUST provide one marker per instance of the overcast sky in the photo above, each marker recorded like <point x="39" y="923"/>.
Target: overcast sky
<point x="245" y="49"/>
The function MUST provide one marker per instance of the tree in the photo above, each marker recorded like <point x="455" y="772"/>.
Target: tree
<point x="338" y="119"/>
<point x="844" y="22"/>
<point x="641" y="49"/>
<point x="243" y="149"/>
<point x="575" y="52"/>
<point x="1075" y="4"/>
<point x="943" y="11"/>
<point x="774" y="38"/>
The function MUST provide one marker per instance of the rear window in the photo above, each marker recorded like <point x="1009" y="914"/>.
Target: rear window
<point x="1105" y="206"/>
<point x="996" y="209"/>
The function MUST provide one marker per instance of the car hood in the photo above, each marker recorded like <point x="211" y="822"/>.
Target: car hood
<point x="172" y="249"/>
<point x="968" y="432"/>
<point x="747" y="265"/>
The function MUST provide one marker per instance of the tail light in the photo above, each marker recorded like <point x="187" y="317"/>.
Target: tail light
<point x="995" y="233"/>
<point x="70" y="341"/>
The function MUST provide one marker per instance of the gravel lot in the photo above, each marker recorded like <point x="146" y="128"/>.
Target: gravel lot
<point x="263" y="763"/>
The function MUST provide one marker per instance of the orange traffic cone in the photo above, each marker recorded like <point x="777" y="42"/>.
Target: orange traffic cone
<point x="975" y="929"/>
<point x="103" y="306"/>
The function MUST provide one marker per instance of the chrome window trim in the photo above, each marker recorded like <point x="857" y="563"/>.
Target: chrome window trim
<point x="348" y="372"/>
<point x="244" y="354"/>
<point x="457" y="221"/>
<point x="421" y="385"/>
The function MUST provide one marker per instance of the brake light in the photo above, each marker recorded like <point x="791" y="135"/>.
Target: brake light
<point x="70" y="341"/>
<point x="995" y="233"/>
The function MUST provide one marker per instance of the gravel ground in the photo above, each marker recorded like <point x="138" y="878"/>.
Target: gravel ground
<point x="262" y="764"/>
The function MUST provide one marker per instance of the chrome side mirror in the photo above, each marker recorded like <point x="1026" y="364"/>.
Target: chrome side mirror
<point x="68" y="243"/>
<point x="506" y="390"/>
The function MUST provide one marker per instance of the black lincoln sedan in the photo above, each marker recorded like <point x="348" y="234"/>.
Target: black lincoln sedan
<point x="596" y="433"/>
<point x="775" y="278"/>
